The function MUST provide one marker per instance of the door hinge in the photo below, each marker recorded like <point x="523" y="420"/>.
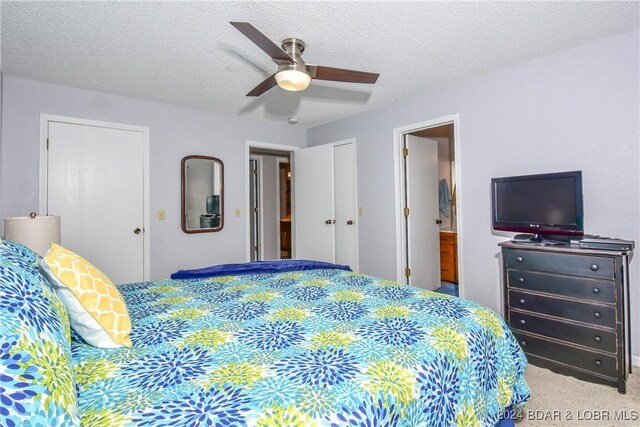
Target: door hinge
<point x="405" y="152"/>
<point x="406" y="211"/>
<point x="255" y="210"/>
<point x="407" y="272"/>
<point x="256" y="248"/>
<point x="255" y="171"/>
<point x="47" y="143"/>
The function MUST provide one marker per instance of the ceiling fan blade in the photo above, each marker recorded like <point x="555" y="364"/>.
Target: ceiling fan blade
<point x="341" y="74"/>
<point x="263" y="42"/>
<point x="266" y="84"/>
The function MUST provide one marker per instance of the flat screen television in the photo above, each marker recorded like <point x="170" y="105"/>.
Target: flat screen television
<point x="545" y="205"/>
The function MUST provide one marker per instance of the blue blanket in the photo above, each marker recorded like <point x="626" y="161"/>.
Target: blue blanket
<point x="256" y="267"/>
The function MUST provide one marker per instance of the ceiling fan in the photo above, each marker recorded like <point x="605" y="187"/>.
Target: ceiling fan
<point x="293" y="73"/>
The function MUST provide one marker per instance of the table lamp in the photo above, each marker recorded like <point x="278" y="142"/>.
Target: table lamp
<point x="33" y="231"/>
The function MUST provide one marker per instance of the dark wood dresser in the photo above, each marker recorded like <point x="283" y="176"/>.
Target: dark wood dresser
<point x="569" y="309"/>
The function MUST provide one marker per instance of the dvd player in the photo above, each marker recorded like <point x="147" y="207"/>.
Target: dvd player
<point x="606" y="243"/>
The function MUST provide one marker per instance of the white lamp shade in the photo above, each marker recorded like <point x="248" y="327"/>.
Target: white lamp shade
<point x="293" y="80"/>
<point x="35" y="233"/>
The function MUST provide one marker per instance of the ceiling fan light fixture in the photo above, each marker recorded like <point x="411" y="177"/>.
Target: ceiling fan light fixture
<point x="293" y="80"/>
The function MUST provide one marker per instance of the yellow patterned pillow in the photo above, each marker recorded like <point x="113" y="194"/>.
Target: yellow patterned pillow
<point x="96" y="309"/>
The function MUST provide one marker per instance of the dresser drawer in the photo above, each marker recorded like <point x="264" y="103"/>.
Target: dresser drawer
<point x="578" y="265"/>
<point x="448" y="238"/>
<point x="577" y="334"/>
<point x="447" y="266"/>
<point x="592" y="361"/>
<point x="599" y="315"/>
<point x="448" y="272"/>
<point x="590" y="289"/>
<point x="447" y="252"/>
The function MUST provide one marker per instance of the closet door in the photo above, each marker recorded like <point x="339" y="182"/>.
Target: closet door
<point x="313" y="201"/>
<point x="344" y="160"/>
<point x="95" y="183"/>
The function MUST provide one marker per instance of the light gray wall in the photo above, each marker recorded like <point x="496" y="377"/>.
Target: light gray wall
<point x="576" y="110"/>
<point x="174" y="133"/>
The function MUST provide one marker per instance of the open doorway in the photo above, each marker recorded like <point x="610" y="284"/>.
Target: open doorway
<point x="284" y="211"/>
<point x="269" y="203"/>
<point x="426" y="195"/>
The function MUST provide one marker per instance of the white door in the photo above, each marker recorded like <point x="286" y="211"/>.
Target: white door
<point x="346" y="210"/>
<point x="95" y="183"/>
<point x="313" y="201"/>
<point x="423" y="233"/>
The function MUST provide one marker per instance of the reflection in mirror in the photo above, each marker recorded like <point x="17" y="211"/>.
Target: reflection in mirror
<point x="202" y="194"/>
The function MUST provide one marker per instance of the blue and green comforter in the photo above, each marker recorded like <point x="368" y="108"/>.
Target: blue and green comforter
<point x="321" y="347"/>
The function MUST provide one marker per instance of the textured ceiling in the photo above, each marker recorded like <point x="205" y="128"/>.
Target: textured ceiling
<point x="187" y="53"/>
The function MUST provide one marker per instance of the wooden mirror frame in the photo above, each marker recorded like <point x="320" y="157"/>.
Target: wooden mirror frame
<point x="183" y="211"/>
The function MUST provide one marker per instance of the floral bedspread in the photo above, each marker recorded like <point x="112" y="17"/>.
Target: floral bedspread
<point x="321" y="347"/>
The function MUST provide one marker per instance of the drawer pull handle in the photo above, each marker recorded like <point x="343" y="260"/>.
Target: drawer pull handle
<point x="519" y="259"/>
<point x="523" y="343"/>
<point x="521" y="279"/>
<point x="521" y="301"/>
<point x="597" y="338"/>
<point x="598" y="362"/>
<point x="523" y="322"/>
<point x="596" y="314"/>
<point x="594" y="267"/>
<point x="596" y="290"/>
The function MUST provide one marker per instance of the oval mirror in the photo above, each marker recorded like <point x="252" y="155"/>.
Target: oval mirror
<point x="202" y="194"/>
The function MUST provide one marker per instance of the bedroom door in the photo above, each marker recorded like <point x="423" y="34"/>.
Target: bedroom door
<point x="95" y="181"/>
<point x="423" y="238"/>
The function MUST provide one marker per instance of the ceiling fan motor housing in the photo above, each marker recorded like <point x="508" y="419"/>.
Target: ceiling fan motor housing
<point x="294" y="48"/>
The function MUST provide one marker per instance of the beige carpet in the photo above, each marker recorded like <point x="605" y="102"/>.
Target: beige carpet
<point x="559" y="400"/>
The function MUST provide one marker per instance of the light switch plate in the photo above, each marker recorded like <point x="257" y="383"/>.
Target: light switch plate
<point x="161" y="215"/>
<point x="237" y="212"/>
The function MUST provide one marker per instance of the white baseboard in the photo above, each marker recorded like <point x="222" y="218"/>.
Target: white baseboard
<point x="635" y="361"/>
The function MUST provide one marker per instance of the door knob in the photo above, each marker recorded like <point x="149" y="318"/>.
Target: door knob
<point x="350" y="222"/>
<point x="328" y="222"/>
<point x="438" y="221"/>
<point x="137" y="230"/>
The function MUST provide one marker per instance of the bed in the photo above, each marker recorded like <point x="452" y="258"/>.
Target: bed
<point x="323" y="347"/>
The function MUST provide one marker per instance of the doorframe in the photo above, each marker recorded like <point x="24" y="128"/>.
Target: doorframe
<point x="249" y="144"/>
<point x="45" y="119"/>
<point x="398" y="133"/>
